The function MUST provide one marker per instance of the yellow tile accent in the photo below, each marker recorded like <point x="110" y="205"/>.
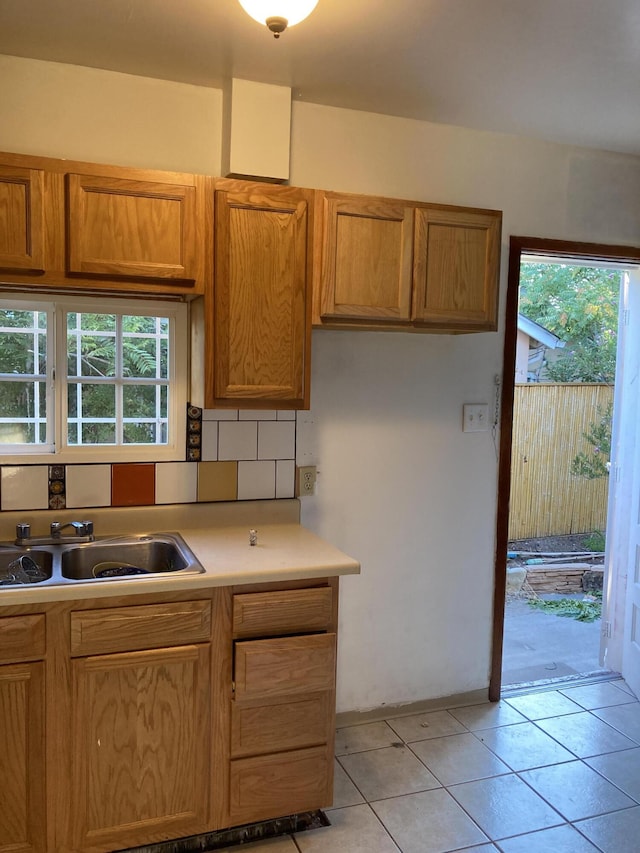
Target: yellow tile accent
<point x="217" y="481"/>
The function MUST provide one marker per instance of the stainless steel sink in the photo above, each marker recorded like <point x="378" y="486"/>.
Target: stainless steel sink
<point x="128" y="557"/>
<point x="111" y="558"/>
<point x="24" y="566"/>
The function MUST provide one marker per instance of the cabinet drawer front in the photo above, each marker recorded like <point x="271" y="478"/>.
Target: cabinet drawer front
<point x="288" y="725"/>
<point x="290" y="665"/>
<point x="291" y="611"/>
<point x="149" y="626"/>
<point x="122" y="227"/>
<point x="275" y="785"/>
<point x="22" y="638"/>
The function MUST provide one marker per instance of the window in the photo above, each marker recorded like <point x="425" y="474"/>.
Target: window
<point x="91" y="379"/>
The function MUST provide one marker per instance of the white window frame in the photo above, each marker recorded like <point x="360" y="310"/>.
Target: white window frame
<point x="61" y="452"/>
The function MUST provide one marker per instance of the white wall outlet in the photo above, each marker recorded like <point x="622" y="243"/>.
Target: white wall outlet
<point x="475" y="417"/>
<point x="306" y="480"/>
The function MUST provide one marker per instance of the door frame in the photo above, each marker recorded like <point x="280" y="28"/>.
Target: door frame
<point x="564" y="250"/>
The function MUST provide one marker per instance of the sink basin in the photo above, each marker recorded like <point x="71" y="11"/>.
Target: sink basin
<point x="20" y="566"/>
<point x="128" y="556"/>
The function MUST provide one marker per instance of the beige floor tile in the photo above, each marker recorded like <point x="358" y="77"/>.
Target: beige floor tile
<point x="487" y="716"/>
<point x="600" y="695"/>
<point x="429" y="822"/>
<point x="585" y="735"/>
<point x="614" y="833"/>
<point x="524" y="746"/>
<point x="353" y="830"/>
<point x="389" y="772"/>
<point x="504" y="806"/>
<point x="423" y="726"/>
<point x="560" y="839"/>
<point x="345" y="792"/>
<point x="576" y="791"/>
<point x="365" y="736"/>
<point x="458" y="758"/>
<point x="537" y="706"/>
<point x="624" y="718"/>
<point x="621" y="768"/>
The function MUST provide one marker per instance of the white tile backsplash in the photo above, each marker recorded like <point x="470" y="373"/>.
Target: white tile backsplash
<point x="257" y="415"/>
<point x="176" y="482"/>
<point x="88" y="485"/>
<point x="209" y="441"/>
<point x="25" y="487"/>
<point x="286" y="415"/>
<point x="237" y="440"/>
<point x="219" y="414"/>
<point x="256" y="480"/>
<point x="276" y="440"/>
<point x="285" y="478"/>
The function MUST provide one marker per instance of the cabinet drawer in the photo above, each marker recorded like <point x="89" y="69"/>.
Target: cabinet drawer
<point x="275" y="785"/>
<point x="22" y="638"/>
<point x="290" y="611"/>
<point x="283" y="666"/>
<point x="148" y="626"/>
<point x="287" y="725"/>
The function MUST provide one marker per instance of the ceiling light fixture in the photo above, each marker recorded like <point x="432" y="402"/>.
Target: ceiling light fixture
<point x="277" y="15"/>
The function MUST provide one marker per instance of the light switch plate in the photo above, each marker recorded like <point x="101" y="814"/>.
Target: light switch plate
<point x="475" y="417"/>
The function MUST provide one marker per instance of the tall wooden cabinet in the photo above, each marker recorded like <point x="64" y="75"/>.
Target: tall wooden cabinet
<point x="257" y="319"/>
<point x="68" y="224"/>
<point x="405" y="265"/>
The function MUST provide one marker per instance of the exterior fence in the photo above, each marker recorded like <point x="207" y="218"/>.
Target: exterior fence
<point x="548" y="423"/>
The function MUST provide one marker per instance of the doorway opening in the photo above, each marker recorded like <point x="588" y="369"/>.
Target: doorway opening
<point x="567" y="332"/>
<point x="532" y="250"/>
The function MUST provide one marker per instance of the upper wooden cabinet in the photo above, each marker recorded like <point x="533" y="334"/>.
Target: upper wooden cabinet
<point x="69" y="224"/>
<point x="366" y="259"/>
<point x="455" y="268"/>
<point x="405" y="265"/>
<point x="120" y="227"/>
<point x="258" y="331"/>
<point x="21" y="219"/>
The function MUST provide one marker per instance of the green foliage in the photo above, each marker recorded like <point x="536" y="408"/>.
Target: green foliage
<point x="583" y="611"/>
<point x="580" y="306"/>
<point x="594" y="464"/>
<point x="596" y="541"/>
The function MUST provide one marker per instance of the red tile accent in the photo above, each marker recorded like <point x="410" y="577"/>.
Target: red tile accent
<point x="133" y="485"/>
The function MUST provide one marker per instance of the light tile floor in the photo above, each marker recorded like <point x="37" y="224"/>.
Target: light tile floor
<point x="549" y="772"/>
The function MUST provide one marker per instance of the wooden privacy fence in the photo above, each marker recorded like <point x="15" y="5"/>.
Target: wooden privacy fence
<point x="548" y="423"/>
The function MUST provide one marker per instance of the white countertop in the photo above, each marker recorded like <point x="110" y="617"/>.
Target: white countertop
<point x="285" y="551"/>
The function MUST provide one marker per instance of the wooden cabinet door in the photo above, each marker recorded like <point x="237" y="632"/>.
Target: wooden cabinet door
<point x="366" y="259"/>
<point x="22" y="761"/>
<point x="21" y="219"/>
<point x="259" y="326"/>
<point x="456" y="266"/>
<point x="141" y="742"/>
<point x="118" y="227"/>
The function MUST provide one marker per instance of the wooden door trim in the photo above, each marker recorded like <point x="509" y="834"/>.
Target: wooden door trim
<point x="563" y="249"/>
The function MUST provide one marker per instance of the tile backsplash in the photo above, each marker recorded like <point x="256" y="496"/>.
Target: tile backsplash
<point x="230" y="455"/>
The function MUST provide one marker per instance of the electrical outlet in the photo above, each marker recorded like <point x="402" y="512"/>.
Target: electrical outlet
<point x="306" y="480"/>
<point x="475" y="417"/>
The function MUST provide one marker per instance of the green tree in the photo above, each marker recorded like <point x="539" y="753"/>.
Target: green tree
<point x="594" y="464"/>
<point x="580" y="306"/>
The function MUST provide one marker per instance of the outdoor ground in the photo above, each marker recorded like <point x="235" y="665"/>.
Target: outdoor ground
<point x="541" y="646"/>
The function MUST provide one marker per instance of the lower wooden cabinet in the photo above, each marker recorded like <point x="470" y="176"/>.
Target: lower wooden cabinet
<point x="140" y="746"/>
<point x="140" y="719"/>
<point x="22" y="760"/>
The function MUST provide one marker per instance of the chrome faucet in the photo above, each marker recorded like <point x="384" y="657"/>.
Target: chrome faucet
<point x="83" y="532"/>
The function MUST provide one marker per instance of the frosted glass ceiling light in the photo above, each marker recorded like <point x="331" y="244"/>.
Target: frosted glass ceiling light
<point x="278" y="14"/>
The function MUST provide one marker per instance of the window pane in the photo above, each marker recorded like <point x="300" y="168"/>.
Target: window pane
<point x="139" y="357"/>
<point x="17" y="433"/>
<point x="137" y="433"/>
<point x="16" y="353"/>
<point x="22" y="407"/>
<point x="96" y="401"/>
<point x="139" y="401"/>
<point x="144" y="325"/>
<point x="18" y="319"/>
<point x="93" y="433"/>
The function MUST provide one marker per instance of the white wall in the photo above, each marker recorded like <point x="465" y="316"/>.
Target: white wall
<point x="400" y="486"/>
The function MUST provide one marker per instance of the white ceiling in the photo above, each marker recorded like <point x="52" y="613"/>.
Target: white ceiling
<point x="562" y="70"/>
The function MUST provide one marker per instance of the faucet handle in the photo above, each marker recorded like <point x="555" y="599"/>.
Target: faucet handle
<point x="23" y="531"/>
<point x="86" y="529"/>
